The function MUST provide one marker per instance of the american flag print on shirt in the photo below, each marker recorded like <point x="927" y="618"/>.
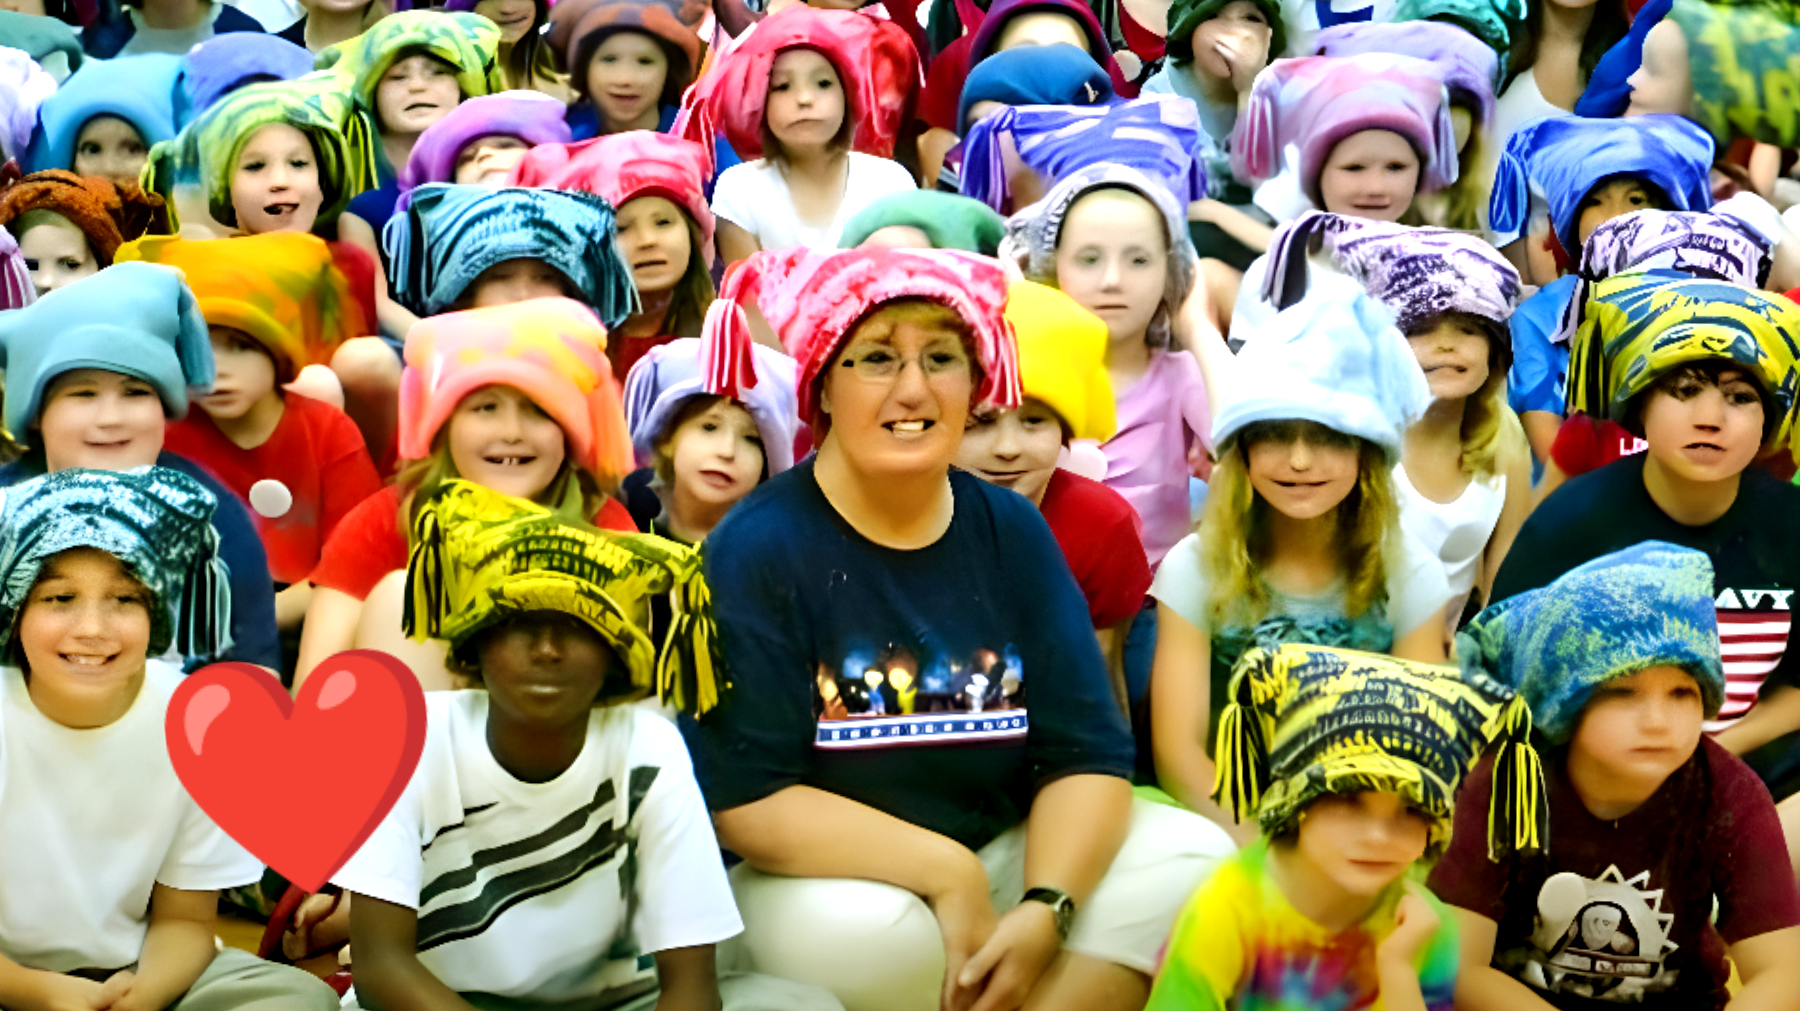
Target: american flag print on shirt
<point x="1753" y="636"/>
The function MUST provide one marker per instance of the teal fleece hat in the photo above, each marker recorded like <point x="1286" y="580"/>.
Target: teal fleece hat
<point x="137" y="319"/>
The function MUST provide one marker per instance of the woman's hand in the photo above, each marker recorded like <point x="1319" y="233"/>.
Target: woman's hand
<point x="1415" y="923"/>
<point x="1002" y="974"/>
<point x="965" y="915"/>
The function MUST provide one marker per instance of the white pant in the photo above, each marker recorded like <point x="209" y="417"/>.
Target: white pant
<point x="878" y="947"/>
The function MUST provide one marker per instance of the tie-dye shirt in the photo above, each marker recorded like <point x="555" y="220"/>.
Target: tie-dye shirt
<point x="1239" y="944"/>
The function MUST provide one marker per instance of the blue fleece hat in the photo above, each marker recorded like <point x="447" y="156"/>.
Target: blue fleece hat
<point x="1649" y="605"/>
<point x="225" y="63"/>
<point x="137" y="89"/>
<point x="1035" y="75"/>
<point x="137" y="319"/>
<point x="1335" y="358"/>
<point x="1570" y="155"/>
<point x="1607" y="94"/>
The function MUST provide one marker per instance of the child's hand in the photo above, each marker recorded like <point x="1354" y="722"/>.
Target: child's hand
<point x="1415" y="923"/>
<point x="56" y="992"/>
<point x="301" y="939"/>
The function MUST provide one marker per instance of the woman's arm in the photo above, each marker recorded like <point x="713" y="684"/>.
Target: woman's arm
<point x="1480" y="986"/>
<point x="1769" y="965"/>
<point x="388" y="972"/>
<point x="689" y="979"/>
<point x="177" y="948"/>
<point x="393" y="317"/>
<point x="330" y="629"/>
<point x="1180" y="708"/>
<point x="734" y="242"/>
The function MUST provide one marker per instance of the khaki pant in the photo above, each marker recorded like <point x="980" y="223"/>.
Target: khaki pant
<point x="239" y="981"/>
<point x="738" y="991"/>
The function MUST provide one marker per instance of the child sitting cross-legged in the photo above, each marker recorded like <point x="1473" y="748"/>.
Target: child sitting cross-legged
<point x="1664" y="852"/>
<point x="552" y="850"/>
<point x="109" y="871"/>
<point x="1351" y="761"/>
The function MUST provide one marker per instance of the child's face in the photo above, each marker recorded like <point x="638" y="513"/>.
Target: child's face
<point x="1041" y="28"/>
<point x="57" y="253"/>
<point x="513" y="281"/>
<point x="100" y="420"/>
<point x="500" y="439"/>
<point x="112" y="149"/>
<point x="1664" y="82"/>
<point x="626" y="77"/>
<point x="543" y="668"/>
<point x="1304" y="470"/>
<point x="415" y="93"/>
<point x="1013" y="449"/>
<point x="85" y="630"/>
<point x="1454" y="354"/>
<point x="1362" y="842"/>
<point x="1701" y="428"/>
<point x="514" y="17"/>
<point x="653" y="237"/>
<point x="275" y="186"/>
<point x="1233" y="41"/>
<point x="718" y="455"/>
<point x="1113" y="259"/>
<point x="486" y="161"/>
<point x="805" y="107"/>
<point x="246" y="374"/>
<point x="1370" y="174"/>
<point x="1638" y="729"/>
<point x="1611" y="199"/>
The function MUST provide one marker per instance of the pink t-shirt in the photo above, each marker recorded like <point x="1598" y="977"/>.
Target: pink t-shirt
<point x="1160" y="418"/>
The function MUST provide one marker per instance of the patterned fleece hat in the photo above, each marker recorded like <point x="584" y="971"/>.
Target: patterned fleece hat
<point x="1186" y="16"/>
<point x="158" y="522"/>
<point x="530" y="116"/>
<point x="481" y="559"/>
<point x="1649" y="605"/>
<point x="1639" y="326"/>
<point x="23" y="88"/>
<point x="949" y="221"/>
<point x="1419" y="273"/>
<point x="282" y="289"/>
<point x="1569" y="156"/>
<point x="136" y="319"/>
<point x="814" y="300"/>
<point x="106" y="213"/>
<point x="553" y="350"/>
<point x="466" y="41"/>
<point x="577" y="27"/>
<point x="225" y="63"/>
<point x="1468" y="68"/>
<point x="1306" y="722"/>
<point x="1062" y="359"/>
<point x="137" y="89"/>
<point x="621" y="167"/>
<point x="670" y="374"/>
<point x="450" y="234"/>
<point x="1317" y="101"/>
<point x="1707" y="244"/>
<point x="874" y="59"/>
<point x="1155" y="134"/>
<point x="1334" y="358"/>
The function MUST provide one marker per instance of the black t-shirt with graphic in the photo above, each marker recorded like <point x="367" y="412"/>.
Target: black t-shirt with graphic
<point x="900" y="679"/>
<point x="1754" y="547"/>
<point x="1619" y="912"/>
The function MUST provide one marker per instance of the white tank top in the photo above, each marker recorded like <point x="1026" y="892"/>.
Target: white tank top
<point x="1457" y="532"/>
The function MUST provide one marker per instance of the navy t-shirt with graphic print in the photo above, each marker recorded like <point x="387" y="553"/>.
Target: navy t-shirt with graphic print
<point x="941" y="685"/>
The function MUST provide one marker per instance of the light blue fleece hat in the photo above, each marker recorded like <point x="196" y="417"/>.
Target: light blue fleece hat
<point x="1335" y="358"/>
<point x="137" y="89"/>
<point x="137" y="319"/>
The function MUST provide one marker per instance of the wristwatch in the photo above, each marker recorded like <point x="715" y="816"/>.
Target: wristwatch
<point x="1060" y="905"/>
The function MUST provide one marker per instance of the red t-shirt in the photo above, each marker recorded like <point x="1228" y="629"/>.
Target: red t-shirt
<point x="1098" y="533"/>
<point x="358" y="268"/>
<point x="630" y="349"/>
<point x="1620" y="912"/>
<point x="315" y="451"/>
<point x="1585" y="443"/>
<point x="369" y="543"/>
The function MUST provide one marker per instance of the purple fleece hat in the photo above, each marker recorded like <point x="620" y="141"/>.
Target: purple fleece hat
<point x="1317" y="101"/>
<point x="531" y="116"/>
<point x="1468" y="68"/>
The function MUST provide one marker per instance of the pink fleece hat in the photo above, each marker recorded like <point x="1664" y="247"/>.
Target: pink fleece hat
<point x="814" y="299"/>
<point x="551" y="349"/>
<point x="1317" y="101"/>
<point x="621" y="167"/>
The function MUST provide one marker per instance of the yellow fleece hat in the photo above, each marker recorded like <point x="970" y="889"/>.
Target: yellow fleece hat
<point x="1062" y="358"/>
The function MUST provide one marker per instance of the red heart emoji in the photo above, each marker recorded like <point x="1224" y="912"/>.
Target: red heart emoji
<point x="344" y="751"/>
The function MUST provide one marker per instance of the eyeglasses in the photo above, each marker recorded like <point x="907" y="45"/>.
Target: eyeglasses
<point x="880" y="364"/>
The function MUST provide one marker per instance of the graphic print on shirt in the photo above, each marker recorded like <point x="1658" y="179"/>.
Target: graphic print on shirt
<point x="1753" y="635"/>
<point x="1605" y="939"/>
<point x="885" y="697"/>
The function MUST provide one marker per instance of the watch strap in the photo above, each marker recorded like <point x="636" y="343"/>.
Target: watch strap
<point x="1060" y="903"/>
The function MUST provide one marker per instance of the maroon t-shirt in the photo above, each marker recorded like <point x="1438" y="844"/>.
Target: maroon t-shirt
<point x="1099" y="534"/>
<point x="1619" y="912"/>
